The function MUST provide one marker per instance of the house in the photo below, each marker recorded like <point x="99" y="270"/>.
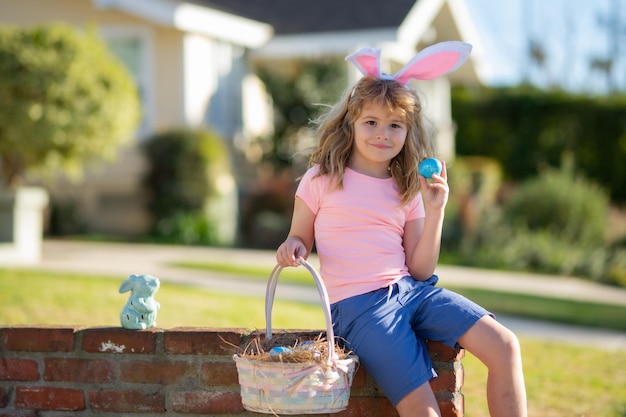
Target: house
<point x="193" y="62"/>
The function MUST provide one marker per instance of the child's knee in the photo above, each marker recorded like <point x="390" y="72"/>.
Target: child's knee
<point x="494" y="344"/>
<point x="506" y="351"/>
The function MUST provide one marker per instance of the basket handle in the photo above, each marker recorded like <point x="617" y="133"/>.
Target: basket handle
<point x="269" y="302"/>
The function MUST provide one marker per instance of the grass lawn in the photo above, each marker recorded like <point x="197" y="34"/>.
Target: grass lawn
<point x="531" y="306"/>
<point x="562" y="380"/>
<point x="28" y="297"/>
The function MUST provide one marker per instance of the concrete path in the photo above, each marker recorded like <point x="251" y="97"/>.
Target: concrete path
<point x="120" y="260"/>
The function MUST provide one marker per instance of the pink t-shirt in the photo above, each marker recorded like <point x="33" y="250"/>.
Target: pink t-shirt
<point x="358" y="231"/>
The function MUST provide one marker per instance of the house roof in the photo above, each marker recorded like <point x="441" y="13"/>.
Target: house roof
<point x="195" y="17"/>
<point x="288" y="29"/>
<point x="309" y="28"/>
<point x="307" y="16"/>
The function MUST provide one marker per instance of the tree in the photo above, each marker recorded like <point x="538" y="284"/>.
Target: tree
<point x="65" y="100"/>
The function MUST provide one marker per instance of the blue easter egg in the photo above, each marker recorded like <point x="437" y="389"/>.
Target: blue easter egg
<point x="307" y="345"/>
<point x="279" y="350"/>
<point x="430" y="166"/>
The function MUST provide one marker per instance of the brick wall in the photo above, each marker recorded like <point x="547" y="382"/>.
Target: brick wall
<point x="67" y="371"/>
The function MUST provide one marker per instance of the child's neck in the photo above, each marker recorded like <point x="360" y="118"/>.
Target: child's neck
<point x="371" y="170"/>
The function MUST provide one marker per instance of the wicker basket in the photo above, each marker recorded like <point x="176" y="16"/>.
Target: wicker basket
<point x="296" y="388"/>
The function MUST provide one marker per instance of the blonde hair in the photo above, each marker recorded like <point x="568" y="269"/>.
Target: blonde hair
<point x="336" y="132"/>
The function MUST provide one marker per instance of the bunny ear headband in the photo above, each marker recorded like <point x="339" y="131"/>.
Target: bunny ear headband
<point x="432" y="62"/>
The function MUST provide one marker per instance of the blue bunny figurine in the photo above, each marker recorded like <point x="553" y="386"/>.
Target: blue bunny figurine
<point x="140" y="311"/>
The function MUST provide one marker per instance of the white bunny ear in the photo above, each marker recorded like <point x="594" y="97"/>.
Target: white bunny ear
<point x="366" y="60"/>
<point x="434" y="61"/>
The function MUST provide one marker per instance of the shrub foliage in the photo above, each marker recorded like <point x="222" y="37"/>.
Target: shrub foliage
<point x="184" y="169"/>
<point x="64" y="99"/>
<point x="527" y="130"/>
<point x="552" y="223"/>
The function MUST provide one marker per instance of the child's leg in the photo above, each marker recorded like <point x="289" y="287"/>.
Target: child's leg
<point x="498" y="348"/>
<point x="420" y="402"/>
<point x="378" y="329"/>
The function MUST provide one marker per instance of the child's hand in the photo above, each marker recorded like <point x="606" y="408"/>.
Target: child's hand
<point x="289" y="251"/>
<point x="435" y="193"/>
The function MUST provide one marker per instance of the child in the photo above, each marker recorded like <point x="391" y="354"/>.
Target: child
<point x="377" y="227"/>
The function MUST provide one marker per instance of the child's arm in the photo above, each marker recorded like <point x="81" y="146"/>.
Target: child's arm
<point x="422" y="242"/>
<point x="422" y="237"/>
<point x="300" y="239"/>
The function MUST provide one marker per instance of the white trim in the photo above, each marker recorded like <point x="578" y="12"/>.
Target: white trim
<point x="417" y="27"/>
<point x="418" y="21"/>
<point x="238" y="30"/>
<point x="468" y="32"/>
<point x="193" y="18"/>
<point x="201" y="73"/>
<point x="313" y="45"/>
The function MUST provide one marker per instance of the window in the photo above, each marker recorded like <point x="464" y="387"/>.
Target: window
<point x="133" y="47"/>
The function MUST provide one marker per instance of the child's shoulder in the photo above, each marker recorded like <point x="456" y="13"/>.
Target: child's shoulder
<point x="314" y="178"/>
<point x="313" y="170"/>
<point x="311" y="173"/>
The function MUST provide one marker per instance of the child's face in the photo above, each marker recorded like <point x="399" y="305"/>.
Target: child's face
<point x="379" y="135"/>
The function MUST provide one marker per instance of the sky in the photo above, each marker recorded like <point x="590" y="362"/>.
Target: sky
<point x="569" y="31"/>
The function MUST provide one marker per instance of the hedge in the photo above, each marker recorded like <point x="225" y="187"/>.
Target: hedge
<point x="528" y="130"/>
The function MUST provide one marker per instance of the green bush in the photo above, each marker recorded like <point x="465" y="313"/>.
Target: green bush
<point x="567" y="207"/>
<point x="616" y="271"/>
<point x="526" y="130"/>
<point x="555" y="224"/>
<point x="191" y="228"/>
<point x="64" y="100"/>
<point x="474" y="185"/>
<point x="518" y="248"/>
<point x="182" y="182"/>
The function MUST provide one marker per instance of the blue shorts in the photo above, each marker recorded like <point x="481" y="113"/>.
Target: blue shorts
<point x="386" y="328"/>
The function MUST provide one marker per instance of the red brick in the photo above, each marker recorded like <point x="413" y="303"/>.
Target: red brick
<point x="448" y="380"/>
<point x="78" y="370"/>
<point x="18" y="370"/>
<point x="442" y="353"/>
<point x="205" y="402"/>
<point x="4" y="397"/>
<point x="127" y="401"/>
<point x="374" y="407"/>
<point x="162" y="375"/>
<point x="155" y="372"/>
<point x="219" y="373"/>
<point x="360" y="378"/>
<point x="454" y="406"/>
<point x="37" y="339"/>
<point x="363" y="406"/>
<point x="48" y="398"/>
<point x="189" y="340"/>
<point x="119" y="340"/>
